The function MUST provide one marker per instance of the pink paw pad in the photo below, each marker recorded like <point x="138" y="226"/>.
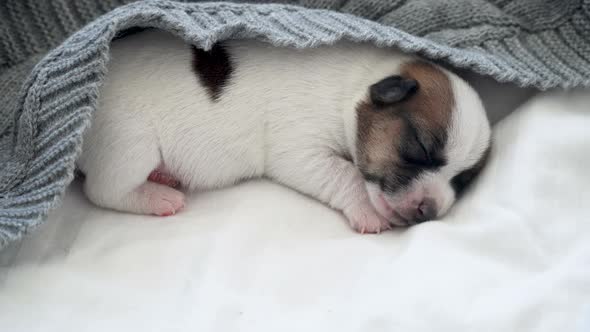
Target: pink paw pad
<point x="367" y="221"/>
<point x="161" y="200"/>
<point x="167" y="214"/>
<point x="165" y="204"/>
<point x="157" y="176"/>
<point x="371" y="228"/>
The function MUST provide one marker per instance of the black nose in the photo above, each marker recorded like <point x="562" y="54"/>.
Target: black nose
<point x="425" y="211"/>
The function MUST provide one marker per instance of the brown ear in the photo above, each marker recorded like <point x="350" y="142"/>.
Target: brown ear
<point x="392" y="89"/>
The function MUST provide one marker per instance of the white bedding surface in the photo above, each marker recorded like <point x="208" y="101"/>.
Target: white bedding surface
<point x="514" y="255"/>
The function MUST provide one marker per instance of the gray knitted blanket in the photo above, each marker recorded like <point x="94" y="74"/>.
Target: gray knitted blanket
<point x="46" y="101"/>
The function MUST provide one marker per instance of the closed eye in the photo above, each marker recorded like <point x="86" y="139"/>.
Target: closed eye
<point x="421" y="157"/>
<point x="425" y="155"/>
<point x="416" y="153"/>
<point x="373" y="178"/>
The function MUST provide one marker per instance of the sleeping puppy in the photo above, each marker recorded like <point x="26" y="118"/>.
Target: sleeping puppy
<point x="386" y="138"/>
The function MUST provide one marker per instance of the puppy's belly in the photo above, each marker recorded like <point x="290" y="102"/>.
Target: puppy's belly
<point x="212" y="157"/>
<point x="199" y="170"/>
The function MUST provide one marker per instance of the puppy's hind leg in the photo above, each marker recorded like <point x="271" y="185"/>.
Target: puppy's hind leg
<point x="118" y="179"/>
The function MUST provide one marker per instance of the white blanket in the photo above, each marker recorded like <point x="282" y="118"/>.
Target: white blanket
<point x="514" y="255"/>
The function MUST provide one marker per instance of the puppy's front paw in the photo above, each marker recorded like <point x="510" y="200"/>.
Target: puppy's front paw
<point x="365" y="219"/>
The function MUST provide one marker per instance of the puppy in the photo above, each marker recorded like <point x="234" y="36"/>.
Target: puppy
<point x="386" y="138"/>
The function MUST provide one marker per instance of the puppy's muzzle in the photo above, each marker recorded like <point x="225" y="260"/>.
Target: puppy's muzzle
<point x="418" y="212"/>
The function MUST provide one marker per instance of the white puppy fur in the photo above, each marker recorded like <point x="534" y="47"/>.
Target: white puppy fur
<point x="285" y="114"/>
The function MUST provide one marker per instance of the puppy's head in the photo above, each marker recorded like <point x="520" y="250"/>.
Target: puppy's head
<point x="422" y="136"/>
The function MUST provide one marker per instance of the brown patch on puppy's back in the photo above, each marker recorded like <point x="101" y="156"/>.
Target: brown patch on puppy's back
<point x="213" y="68"/>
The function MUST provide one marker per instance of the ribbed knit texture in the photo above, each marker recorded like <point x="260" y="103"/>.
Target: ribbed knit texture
<point x="45" y="104"/>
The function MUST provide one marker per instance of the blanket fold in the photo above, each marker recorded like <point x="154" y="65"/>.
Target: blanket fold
<point x="46" y="103"/>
